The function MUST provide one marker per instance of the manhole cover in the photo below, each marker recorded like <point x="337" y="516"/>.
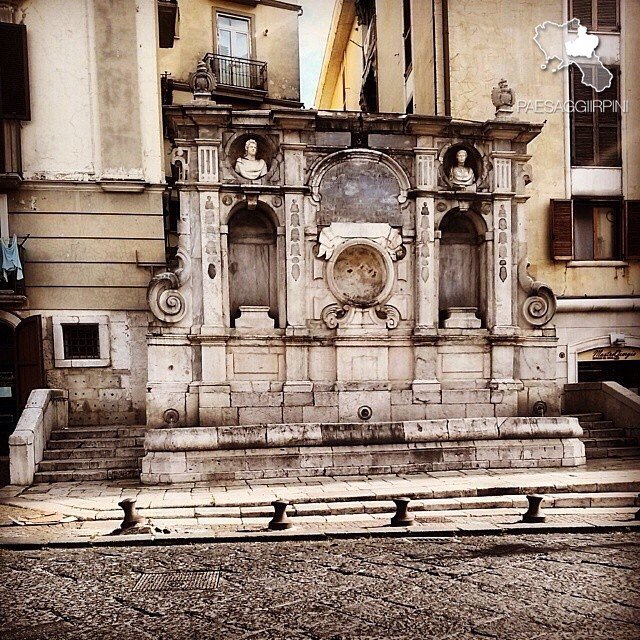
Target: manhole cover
<point x="179" y="580"/>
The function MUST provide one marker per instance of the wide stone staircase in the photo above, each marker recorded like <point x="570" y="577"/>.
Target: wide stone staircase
<point x="92" y="453"/>
<point x="602" y="439"/>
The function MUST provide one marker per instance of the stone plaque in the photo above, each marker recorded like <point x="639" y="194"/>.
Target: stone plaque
<point x="359" y="275"/>
<point x="360" y="191"/>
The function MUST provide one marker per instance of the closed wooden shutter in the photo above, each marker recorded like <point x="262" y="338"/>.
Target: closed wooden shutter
<point x="607" y="15"/>
<point x="583" y="128"/>
<point x="632" y="230"/>
<point x="583" y="10"/>
<point x="14" y="72"/>
<point x="609" y="126"/>
<point x="562" y="229"/>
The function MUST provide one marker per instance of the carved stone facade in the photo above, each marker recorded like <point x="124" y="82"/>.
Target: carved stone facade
<point x="329" y="277"/>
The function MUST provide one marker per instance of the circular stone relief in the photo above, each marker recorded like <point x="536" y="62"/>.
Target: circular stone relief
<point x="359" y="275"/>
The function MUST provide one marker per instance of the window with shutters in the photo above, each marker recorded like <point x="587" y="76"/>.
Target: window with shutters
<point x="595" y="229"/>
<point x="595" y="121"/>
<point x="596" y="15"/>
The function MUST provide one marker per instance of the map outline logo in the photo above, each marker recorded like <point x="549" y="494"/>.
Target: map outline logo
<point x="570" y="43"/>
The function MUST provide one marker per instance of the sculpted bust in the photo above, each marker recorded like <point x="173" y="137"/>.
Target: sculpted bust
<point x="461" y="176"/>
<point x="248" y="166"/>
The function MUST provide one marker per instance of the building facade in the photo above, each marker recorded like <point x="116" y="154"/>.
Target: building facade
<point x="200" y="253"/>
<point x="581" y="226"/>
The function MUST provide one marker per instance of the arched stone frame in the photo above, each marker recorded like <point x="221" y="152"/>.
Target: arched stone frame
<point x="264" y="208"/>
<point x="10" y="318"/>
<point x="592" y="343"/>
<point x="321" y="167"/>
<point x="484" y="259"/>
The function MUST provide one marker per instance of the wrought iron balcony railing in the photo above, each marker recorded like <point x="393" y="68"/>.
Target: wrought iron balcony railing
<point x="238" y="72"/>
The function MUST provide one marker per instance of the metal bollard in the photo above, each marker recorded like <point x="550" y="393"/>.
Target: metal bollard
<point x="534" y="512"/>
<point x="131" y="517"/>
<point x="402" y="517"/>
<point x="280" y="521"/>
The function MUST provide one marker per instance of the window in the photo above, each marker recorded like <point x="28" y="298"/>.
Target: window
<point x="14" y="72"/>
<point x="592" y="230"/>
<point x="81" y="341"/>
<point x="233" y="36"/>
<point x="595" y="130"/>
<point x="596" y="15"/>
<point x="406" y="22"/>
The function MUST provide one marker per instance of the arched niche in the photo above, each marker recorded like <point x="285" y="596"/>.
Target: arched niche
<point x="462" y="264"/>
<point x="252" y="263"/>
<point x="448" y="160"/>
<point x="359" y="185"/>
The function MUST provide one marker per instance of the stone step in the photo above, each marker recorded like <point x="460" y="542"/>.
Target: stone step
<point x="86" y="475"/>
<point x="93" y="452"/>
<point x="96" y="443"/>
<point x="586" y="417"/>
<point x="608" y="443"/>
<point x="604" y="433"/>
<point x="92" y="463"/>
<point x="613" y="452"/>
<point x="83" y="433"/>
<point x="598" y="424"/>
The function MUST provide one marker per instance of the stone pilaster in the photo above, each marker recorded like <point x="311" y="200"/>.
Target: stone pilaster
<point x="502" y="298"/>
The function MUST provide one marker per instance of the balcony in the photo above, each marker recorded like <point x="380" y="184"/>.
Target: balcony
<point x="238" y="74"/>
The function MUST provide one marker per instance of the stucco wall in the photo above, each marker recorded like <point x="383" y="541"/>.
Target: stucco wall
<point x="275" y="41"/>
<point x="483" y="47"/>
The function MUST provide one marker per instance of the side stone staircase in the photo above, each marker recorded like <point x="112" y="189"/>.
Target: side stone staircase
<point x="602" y="439"/>
<point x="92" y="453"/>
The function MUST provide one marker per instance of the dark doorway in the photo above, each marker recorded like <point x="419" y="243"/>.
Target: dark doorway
<point x="625" y="373"/>
<point x="21" y="371"/>
<point x="8" y="402"/>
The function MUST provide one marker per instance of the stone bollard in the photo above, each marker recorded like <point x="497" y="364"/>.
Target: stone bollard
<point x="534" y="512"/>
<point x="280" y="521"/>
<point x="402" y="517"/>
<point x="131" y="517"/>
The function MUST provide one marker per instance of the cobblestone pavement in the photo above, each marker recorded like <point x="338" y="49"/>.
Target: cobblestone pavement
<point x="521" y="588"/>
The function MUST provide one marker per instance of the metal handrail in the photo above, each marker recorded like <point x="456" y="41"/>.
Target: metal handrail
<point x="238" y="72"/>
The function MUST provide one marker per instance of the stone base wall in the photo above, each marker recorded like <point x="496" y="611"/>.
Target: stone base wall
<point x="112" y="393"/>
<point x="311" y="449"/>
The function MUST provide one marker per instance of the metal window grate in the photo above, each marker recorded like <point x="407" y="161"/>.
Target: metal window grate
<point x="81" y="341"/>
<point x="178" y="581"/>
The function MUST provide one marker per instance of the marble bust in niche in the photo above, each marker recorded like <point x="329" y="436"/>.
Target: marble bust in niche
<point x="460" y="175"/>
<point x="249" y="166"/>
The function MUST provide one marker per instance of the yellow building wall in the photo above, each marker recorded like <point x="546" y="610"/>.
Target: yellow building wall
<point x="489" y="45"/>
<point x="422" y="32"/>
<point x="631" y="92"/>
<point x="274" y="41"/>
<point x="391" y="93"/>
<point x="346" y="93"/>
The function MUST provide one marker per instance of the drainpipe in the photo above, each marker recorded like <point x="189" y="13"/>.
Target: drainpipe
<point x="445" y="53"/>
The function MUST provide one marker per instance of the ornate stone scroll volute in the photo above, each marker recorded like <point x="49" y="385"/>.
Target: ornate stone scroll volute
<point x="540" y="305"/>
<point x="166" y="301"/>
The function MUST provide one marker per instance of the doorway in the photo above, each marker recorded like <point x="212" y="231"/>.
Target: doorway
<point x="21" y="371"/>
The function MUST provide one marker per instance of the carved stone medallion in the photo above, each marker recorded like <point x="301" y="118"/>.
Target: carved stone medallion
<point x="360" y="274"/>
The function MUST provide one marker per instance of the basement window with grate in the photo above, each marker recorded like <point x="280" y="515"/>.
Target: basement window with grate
<point x="81" y="342"/>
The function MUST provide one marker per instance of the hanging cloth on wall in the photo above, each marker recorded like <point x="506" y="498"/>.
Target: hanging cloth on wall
<point x="10" y="258"/>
